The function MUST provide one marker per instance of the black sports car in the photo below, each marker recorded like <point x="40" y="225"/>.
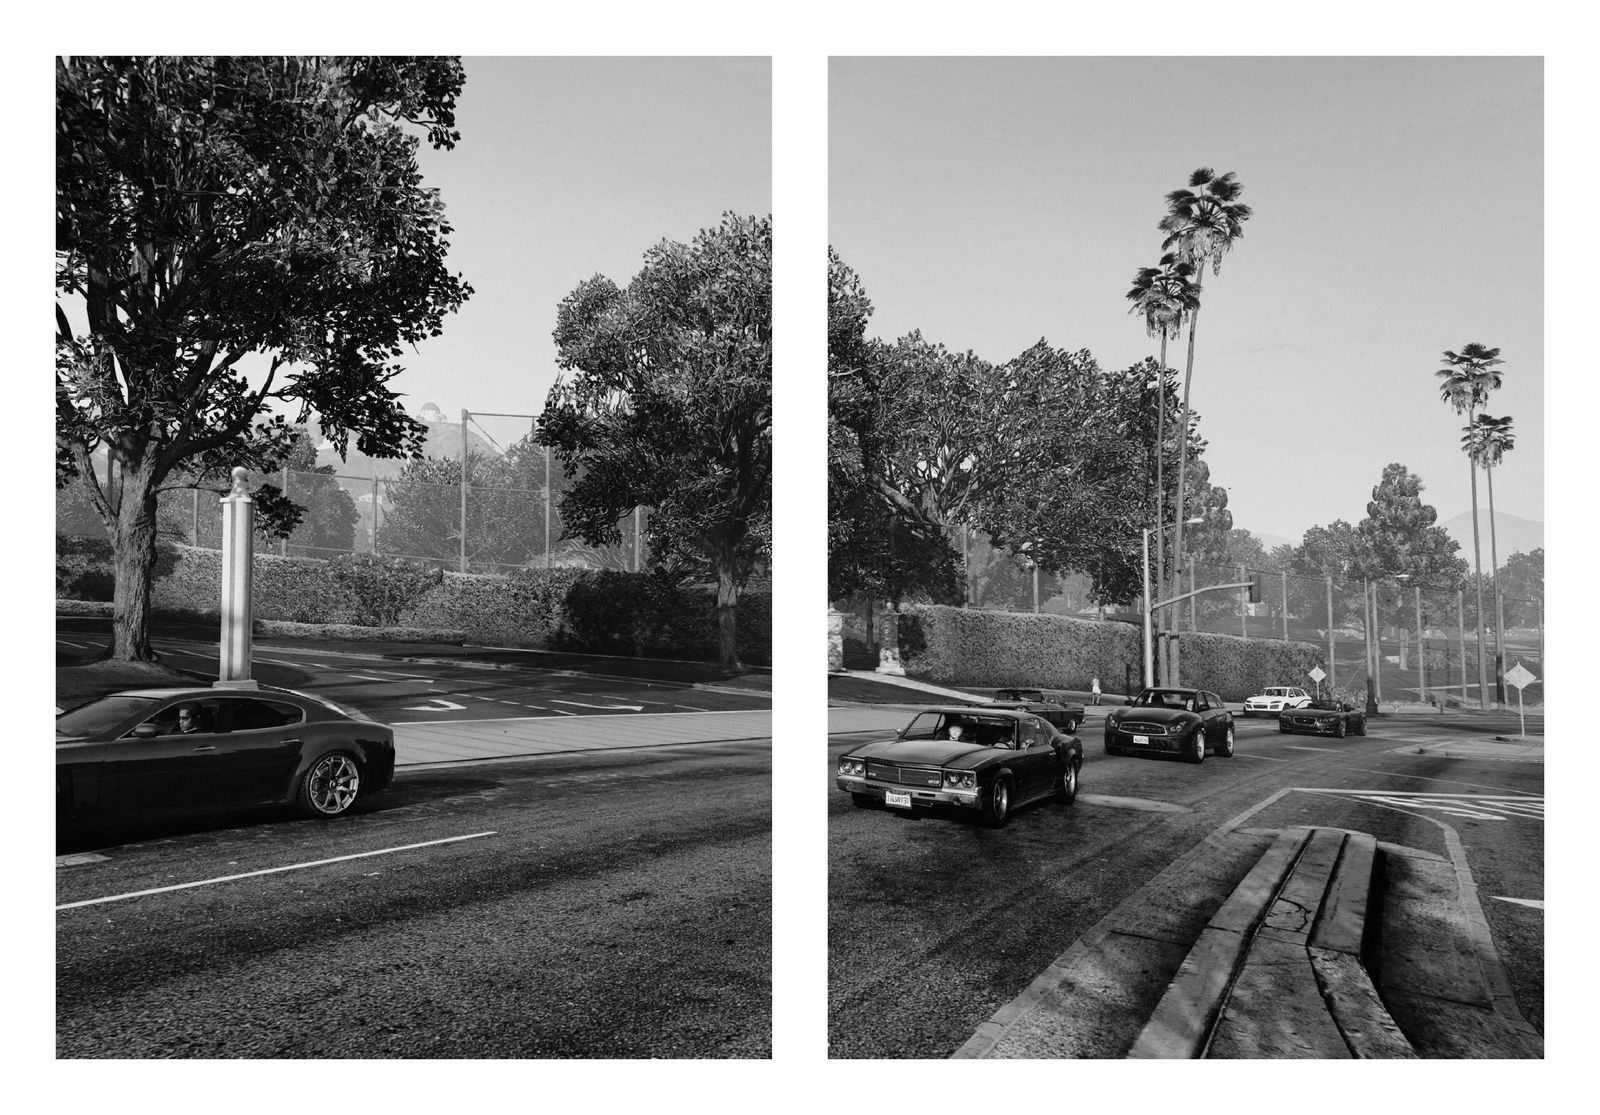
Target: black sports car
<point x="986" y="760"/>
<point x="1171" y="721"/>
<point x="1324" y="717"/>
<point x="169" y="748"/>
<point x="1052" y="710"/>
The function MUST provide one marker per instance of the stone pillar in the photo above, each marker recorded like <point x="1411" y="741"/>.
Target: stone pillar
<point x="835" y="641"/>
<point x="889" y="643"/>
<point x="238" y="526"/>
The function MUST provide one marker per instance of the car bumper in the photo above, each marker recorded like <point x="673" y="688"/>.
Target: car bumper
<point x="920" y="796"/>
<point x="1310" y="729"/>
<point x="1160" y="745"/>
<point x="1262" y="710"/>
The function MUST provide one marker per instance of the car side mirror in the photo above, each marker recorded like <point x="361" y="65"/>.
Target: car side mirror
<point x="146" y="731"/>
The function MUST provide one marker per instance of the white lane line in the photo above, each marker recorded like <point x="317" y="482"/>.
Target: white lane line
<point x="1536" y="903"/>
<point x="1264" y="758"/>
<point x="1292" y="747"/>
<point x="613" y="708"/>
<point x="270" y="871"/>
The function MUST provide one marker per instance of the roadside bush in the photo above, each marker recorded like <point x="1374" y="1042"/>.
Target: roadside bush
<point x="379" y="589"/>
<point x="960" y="646"/>
<point x="1235" y="668"/>
<point x="83" y="568"/>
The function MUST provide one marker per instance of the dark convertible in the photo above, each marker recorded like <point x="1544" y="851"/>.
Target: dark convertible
<point x="1324" y="716"/>
<point x="1054" y="711"/>
<point x="988" y="761"/>
<point x="1170" y="721"/>
<point x="174" y="748"/>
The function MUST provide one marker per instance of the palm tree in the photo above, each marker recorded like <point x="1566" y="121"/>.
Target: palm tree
<point x="1201" y="224"/>
<point x="1164" y="295"/>
<point x="1485" y="442"/>
<point x="1465" y="385"/>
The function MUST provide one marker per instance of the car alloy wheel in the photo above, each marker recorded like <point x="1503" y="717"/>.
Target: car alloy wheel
<point x="331" y="785"/>
<point x="1197" y="746"/>
<point x="1338" y="728"/>
<point x="1226" y="750"/>
<point x="999" y="803"/>
<point x="1067" y="786"/>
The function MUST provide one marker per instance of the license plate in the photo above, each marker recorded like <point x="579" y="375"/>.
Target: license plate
<point x="1141" y="741"/>
<point x="892" y="798"/>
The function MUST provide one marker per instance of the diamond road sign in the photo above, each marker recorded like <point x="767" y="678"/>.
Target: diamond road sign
<point x="1316" y="674"/>
<point x="1519" y="676"/>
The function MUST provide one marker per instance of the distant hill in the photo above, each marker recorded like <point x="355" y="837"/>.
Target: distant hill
<point x="1514" y="535"/>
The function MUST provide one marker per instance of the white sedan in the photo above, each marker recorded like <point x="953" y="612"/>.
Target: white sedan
<point x="1273" y="700"/>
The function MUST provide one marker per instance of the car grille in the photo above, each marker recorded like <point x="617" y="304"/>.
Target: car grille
<point x="1142" y="728"/>
<point x="1309" y="721"/>
<point x="901" y="776"/>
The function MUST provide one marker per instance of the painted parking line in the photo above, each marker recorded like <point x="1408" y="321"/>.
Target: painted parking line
<point x="1264" y="758"/>
<point x="1296" y="747"/>
<point x="269" y="871"/>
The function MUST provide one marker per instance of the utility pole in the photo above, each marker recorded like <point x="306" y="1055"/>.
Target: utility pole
<point x="464" y="415"/>
<point x="1330" y="635"/>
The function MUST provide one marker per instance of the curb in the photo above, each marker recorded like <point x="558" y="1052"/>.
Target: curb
<point x="1292" y="933"/>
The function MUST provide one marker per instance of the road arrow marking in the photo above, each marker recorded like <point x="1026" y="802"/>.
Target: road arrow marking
<point x="580" y="704"/>
<point x="1536" y="903"/>
<point x="438" y="704"/>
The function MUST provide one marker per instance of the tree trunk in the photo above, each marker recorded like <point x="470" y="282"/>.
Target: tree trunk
<point x="133" y="542"/>
<point x="1499" y="611"/>
<point x="727" y="615"/>
<point x="1181" y="510"/>
<point x="1161" y="452"/>
<point x="1477" y="566"/>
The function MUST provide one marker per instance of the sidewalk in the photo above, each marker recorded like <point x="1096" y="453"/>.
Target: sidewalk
<point x="455" y="741"/>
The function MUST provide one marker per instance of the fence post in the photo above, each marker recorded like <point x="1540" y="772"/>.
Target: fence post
<point x="1331" y="682"/>
<point x="1192" y="628"/>
<point x="283" y="543"/>
<point x="464" y="415"/>
<point x="374" y="514"/>
<point x="1461" y="633"/>
<point x="1244" y="604"/>
<point x="1422" y="650"/>
<point x="547" y="507"/>
<point x="1283" y="577"/>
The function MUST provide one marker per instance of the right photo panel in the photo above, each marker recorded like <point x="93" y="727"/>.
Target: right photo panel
<point x="1186" y="557"/>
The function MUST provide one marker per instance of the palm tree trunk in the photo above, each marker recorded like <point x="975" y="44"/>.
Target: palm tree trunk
<point x="1161" y="453"/>
<point x="1499" y="613"/>
<point x="1477" y="565"/>
<point x="1180" y="512"/>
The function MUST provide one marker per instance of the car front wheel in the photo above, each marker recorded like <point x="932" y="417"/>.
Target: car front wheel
<point x="331" y="786"/>
<point x="997" y="807"/>
<point x="1197" y="746"/>
<point x="1338" y="728"/>
<point x="1067" y="784"/>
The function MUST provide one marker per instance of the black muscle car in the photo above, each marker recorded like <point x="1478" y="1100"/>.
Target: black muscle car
<point x="989" y="761"/>
<point x="1324" y="717"/>
<point x="1054" y="711"/>
<point x="1170" y="721"/>
<point x="153" y="749"/>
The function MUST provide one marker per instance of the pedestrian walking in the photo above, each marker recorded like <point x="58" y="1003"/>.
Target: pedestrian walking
<point x="1094" y="690"/>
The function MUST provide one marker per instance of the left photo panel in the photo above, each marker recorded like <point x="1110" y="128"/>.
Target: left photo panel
<point x="413" y="557"/>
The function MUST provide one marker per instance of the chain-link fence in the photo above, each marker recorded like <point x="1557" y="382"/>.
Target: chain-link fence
<point x="489" y="529"/>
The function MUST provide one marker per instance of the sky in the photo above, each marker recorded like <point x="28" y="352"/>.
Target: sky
<point x="567" y="168"/>
<point x="1398" y="213"/>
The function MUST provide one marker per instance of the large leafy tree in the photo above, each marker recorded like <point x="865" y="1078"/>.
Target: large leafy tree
<point x="1465" y="382"/>
<point x="329" y="522"/>
<point x="882" y="543"/>
<point x="669" y="405"/>
<point x="1202" y="224"/>
<point x="1523" y="577"/>
<point x="1401" y="541"/>
<point x="210" y="210"/>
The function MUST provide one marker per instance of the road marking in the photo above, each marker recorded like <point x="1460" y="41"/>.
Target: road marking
<point x="438" y="704"/>
<point x="269" y="871"/>
<point x="1476" y="807"/>
<point x="1265" y="758"/>
<point x="80" y="857"/>
<point x="1535" y="903"/>
<point x="365" y="677"/>
<point x="1294" y="747"/>
<point x="580" y="704"/>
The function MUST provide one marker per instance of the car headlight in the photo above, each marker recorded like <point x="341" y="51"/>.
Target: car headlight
<point x="852" y="768"/>
<point x="960" y="780"/>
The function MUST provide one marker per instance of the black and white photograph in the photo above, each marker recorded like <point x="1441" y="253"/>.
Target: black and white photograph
<point x="413" y="463"/>
<point x="1186" y="558"/>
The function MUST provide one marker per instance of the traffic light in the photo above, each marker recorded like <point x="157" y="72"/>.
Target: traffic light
<point x="1258" y="587"/>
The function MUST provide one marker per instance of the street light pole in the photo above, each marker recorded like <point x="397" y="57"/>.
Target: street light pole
<point x="1149" y="661"/>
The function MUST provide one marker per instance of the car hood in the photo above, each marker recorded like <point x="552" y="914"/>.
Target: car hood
<point x="927" y="752"/>
<point x="1153" y="715"/>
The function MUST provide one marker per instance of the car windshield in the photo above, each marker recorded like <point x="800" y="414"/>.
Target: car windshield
<point x="1165" y="698"/>
<point x="1275" y="692"/>
<point x="101" y="716"/>
<point x="985" y="731"/>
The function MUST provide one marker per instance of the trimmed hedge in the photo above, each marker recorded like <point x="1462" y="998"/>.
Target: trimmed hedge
<point x="596" y="611"/>
<point x="968" y="647"/>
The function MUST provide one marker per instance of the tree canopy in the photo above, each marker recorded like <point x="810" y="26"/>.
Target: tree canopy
<point x="210" y="210"/>
<point x="668" y="404"/>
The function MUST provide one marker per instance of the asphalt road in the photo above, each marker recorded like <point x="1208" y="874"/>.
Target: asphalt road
<point x="936" y="922"/>
<point x="596" y="905"/>
<point x="442" y="685"/>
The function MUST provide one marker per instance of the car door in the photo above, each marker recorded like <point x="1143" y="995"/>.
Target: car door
<point x="1038" y="756"/>
<point x="259" y="750"/>
<point x="149" y="772"/>
<point x="1211" y="717"/>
